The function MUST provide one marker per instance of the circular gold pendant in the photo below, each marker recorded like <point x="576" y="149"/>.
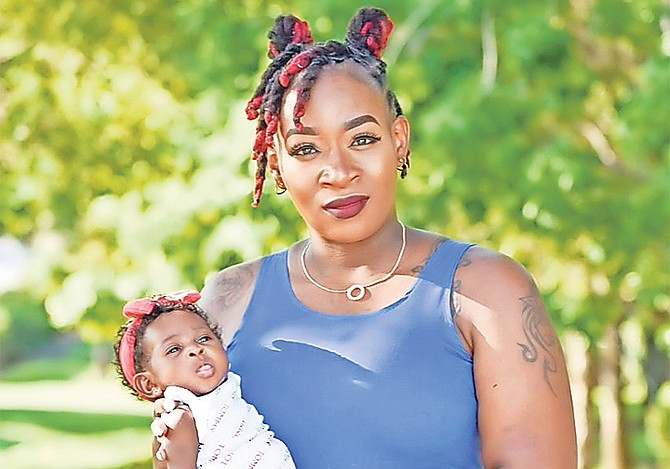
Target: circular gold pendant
<point x="355" y="292"/>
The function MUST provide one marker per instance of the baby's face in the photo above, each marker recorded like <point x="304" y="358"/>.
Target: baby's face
<point x="184" y="351"/>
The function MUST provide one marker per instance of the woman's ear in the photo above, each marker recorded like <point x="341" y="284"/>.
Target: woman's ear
<point x="144" y="384"/>
<point x="273" y="164"/>
<point x="400" y="131"/>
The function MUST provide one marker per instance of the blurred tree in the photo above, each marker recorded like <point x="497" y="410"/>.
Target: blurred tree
<point x="539" y="128"/>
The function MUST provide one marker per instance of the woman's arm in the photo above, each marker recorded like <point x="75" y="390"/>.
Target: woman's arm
<point x="525" y="406"/>
<point x="175" y="444"/>
<point x="226" y="295"/>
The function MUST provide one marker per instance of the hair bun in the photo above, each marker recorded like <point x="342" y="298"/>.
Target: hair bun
<point x="287" y="29"/>
<point x="369" y="29"/>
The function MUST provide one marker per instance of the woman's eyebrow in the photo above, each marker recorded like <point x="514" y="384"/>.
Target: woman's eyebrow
<point x="304" y="131"/>
<point x="348" y="125"/>
<point x="360" y="120"/>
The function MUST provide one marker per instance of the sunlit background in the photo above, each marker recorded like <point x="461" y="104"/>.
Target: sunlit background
<point x="540" y="129"/>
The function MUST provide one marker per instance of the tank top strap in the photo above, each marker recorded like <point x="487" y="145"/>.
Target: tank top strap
<point x="275" y="265"/>
<point x="274" y="272"/>
<point x="441" y="266"/>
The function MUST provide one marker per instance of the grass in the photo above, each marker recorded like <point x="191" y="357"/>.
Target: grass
<point x="31" y="439"/>
<point x="41" y="425"/>
<point x="74" y="422"/>
<point x="45" y="370"/>
<point x="59" y="368"/>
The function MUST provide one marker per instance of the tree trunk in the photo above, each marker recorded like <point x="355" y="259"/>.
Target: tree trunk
<point x="578" y="363"/>
<point x="609" y="402"/>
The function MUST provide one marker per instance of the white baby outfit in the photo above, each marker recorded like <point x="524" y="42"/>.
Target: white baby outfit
<point x="231" y="432"/>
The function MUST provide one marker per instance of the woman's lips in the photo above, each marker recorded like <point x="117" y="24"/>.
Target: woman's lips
<point x="346" y="207"/>
<point x="205" y="370"/>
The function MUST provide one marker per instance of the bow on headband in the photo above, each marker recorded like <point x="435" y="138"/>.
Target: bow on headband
<point x="136" y="310"/>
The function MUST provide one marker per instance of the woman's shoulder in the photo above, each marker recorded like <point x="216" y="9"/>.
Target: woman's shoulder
<point x="477" y="265"/>
<point x="492" y="295"/>
<point x="485" y="272"/>
<point x="226" y="295"/>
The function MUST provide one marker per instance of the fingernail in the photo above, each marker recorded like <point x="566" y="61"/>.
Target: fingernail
<point x="155" y="430"/>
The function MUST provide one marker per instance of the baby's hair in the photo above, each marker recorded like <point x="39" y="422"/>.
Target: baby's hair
<point x="297" y="62"/>
<point x="140" y="359"/>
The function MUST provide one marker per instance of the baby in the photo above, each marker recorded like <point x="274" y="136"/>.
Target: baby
<point x="169" y="348"/>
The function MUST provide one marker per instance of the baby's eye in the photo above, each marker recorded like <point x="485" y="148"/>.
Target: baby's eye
<point x="203" y="339"/>
<point x="365" y="139"/>
<point x="302" y="149"/>
<point x="171" y="350"/>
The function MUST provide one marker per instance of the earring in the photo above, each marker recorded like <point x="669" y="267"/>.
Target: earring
<point x="280" y="188"/>
<point x="403" y="165"/>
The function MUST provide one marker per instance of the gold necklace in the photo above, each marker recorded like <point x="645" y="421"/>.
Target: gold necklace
<point x="356" y="291"/>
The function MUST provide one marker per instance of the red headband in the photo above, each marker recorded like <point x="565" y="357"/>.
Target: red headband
<point x="136" y="310"/>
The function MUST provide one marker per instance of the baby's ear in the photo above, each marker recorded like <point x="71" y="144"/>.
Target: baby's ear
<point x="146" y="387"/>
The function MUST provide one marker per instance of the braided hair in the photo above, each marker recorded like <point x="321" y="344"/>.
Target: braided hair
<point x="297" y="62"/>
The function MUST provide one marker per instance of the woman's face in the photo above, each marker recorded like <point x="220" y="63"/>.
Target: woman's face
<point x="340" y="169"/>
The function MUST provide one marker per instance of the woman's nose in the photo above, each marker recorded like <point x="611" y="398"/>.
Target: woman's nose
<point x="339" y="169"/>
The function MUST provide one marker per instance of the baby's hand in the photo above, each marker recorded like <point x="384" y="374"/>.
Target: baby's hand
<point x="174" y="429"/>
<point x="162" y="406"/>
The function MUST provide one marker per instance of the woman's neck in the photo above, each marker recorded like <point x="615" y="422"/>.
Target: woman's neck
<point x="358" y="261"/>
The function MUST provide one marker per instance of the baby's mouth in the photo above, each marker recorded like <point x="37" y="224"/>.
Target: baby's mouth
<point x="205" y="370"/>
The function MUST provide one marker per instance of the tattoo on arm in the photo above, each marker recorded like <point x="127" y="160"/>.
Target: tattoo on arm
<point x="456" y="300"/>
<point x="464" y="261"/>
<point x="416" y="270"/>
<point x="456" y="303"/>
<point x="541" y="340"/>
<point x="231" y="288"/>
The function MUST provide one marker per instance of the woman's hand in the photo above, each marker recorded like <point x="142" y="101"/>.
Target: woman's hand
<point x="175" y="438"/>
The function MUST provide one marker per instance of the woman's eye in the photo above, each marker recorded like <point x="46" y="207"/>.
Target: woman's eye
<point x="365" y="139"/>
<point x="303" y="149"/>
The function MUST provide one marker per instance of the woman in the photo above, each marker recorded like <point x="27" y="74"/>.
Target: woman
<point x="371" y="344"/>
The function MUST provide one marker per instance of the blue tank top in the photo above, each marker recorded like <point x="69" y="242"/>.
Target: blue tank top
<point x="390" y="389"/>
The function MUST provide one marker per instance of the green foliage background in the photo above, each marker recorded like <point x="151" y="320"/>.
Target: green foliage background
<point x="538" y="128"/>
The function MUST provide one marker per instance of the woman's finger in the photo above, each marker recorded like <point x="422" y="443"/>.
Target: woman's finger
<point x="164" y="405"/>
<point x="161" y="454"/>
<point x="158" y="407"/>
<point x="158" y="427"/>
<point x="169" y="405"/>
<point x="170" y="419"/>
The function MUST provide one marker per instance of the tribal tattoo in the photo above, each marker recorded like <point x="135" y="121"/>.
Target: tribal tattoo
<point x="456" y="300"/>
<point x="541" y="340"/>
<point x="416" y="270"/>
